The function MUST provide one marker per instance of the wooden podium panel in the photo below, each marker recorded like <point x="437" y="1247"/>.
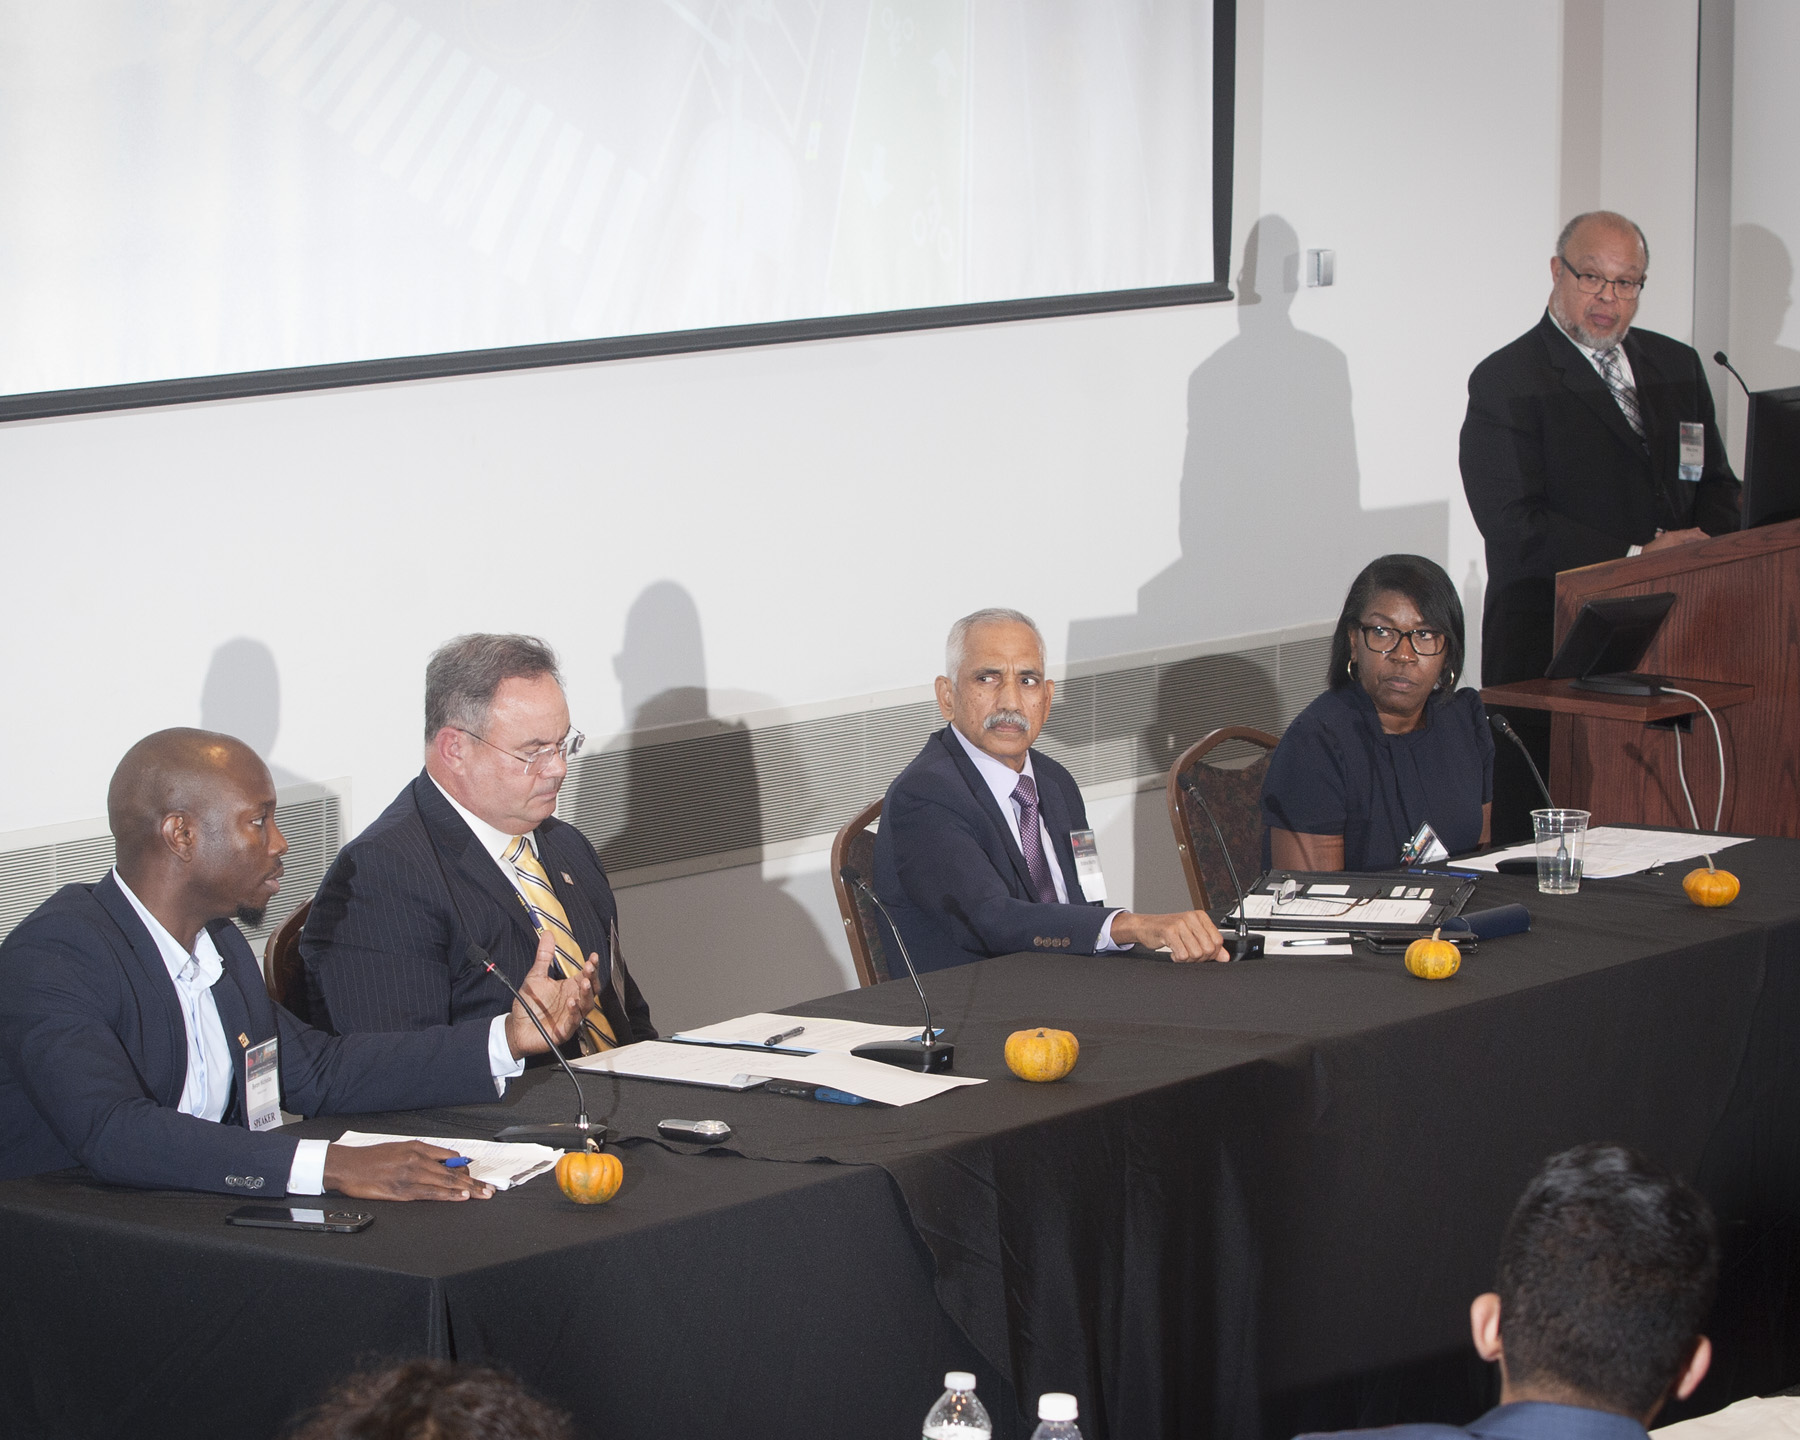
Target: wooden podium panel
<point x="1736" y="621"/>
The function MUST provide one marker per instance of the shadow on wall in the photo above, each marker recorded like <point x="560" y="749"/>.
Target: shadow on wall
<point x="1762" y="280"/>
<point x="241" y="696"/>
<point x="1272" y="524"/>
<point x="699" y="963"/>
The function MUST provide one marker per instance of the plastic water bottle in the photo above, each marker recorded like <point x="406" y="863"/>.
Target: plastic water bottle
<point x="958" y="1414"/>
<point x="1056" y="1418"/>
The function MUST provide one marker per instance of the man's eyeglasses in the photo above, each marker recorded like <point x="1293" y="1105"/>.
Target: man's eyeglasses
<point x="1594" y="284"/>
<point x="535" y="760"/>
<point x="1383" y="638"/>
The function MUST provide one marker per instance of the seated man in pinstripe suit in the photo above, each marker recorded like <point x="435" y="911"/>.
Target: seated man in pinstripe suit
<point x="470" y="854"/>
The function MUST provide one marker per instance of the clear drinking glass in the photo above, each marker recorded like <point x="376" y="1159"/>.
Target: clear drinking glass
<point x="1561" y="837"/>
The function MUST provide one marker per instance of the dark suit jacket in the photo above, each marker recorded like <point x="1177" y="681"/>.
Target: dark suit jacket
<point x="948" y="868"/>
<point x="1522" y="1420"/>
<point x="1558" y="479"/>
<point x="385" y="943"/>
<point x="93" y="1057"/>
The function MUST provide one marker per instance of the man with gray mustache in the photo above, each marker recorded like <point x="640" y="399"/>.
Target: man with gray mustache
<point x="976" y="855"/>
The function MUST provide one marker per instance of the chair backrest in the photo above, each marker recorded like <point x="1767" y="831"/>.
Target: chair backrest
<point x="854" y="847"/>
<point x="283" y="970"/>
<point x="1233" y="791"/>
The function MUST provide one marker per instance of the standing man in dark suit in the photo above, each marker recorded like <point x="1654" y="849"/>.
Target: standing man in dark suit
<point x="137" y="1037"/>
<point x="975" y="855"/>
<point x="1585" y="440"/>
<point x="1606" y="1273"/>
<point x="471" y="853"/>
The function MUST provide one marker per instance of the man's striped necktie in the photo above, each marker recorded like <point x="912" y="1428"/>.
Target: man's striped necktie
<point x="547" y="913"/>
<point x="1622" y="391"/>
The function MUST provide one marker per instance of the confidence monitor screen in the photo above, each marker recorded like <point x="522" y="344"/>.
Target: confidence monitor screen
<point x="209" y="188"/>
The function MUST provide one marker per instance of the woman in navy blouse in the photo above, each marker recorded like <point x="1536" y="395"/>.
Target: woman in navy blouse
<point x="1393" y="744"/>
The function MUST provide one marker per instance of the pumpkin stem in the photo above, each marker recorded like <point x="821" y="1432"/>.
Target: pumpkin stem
<point x="1435" y="933"/>
<point x="1709" y="864"/>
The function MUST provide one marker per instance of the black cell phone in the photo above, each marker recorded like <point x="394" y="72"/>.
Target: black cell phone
<point x="300" y="1217"/>
<point x="695" y="1132"/>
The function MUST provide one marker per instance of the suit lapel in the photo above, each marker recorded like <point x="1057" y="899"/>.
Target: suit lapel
<point x="1580" y="377"/>
<point x="466" y="857"/>
<point x="984" y="798"/>
<point x="153" y="978"/>
<point x="1060" y="823"/>
<point x="234" y="1017"/>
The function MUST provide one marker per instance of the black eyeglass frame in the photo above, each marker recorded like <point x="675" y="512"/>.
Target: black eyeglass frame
<point x="1589" y="284"/>
<point x="1411" y="637"/>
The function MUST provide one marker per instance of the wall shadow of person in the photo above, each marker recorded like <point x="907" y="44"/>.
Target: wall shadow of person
<point x="241" y="696"/>
<point x="1272" y="526"/>
<point x="712" y="945"/>
<point x="1762" y="280"/>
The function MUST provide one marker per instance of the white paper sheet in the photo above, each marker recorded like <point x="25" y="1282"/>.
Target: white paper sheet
<point x="1614" y="850"/>
<point x="1350" y="915"/>
<point x="815" y="1034"/>
<point x="710" y="1065"/>
<point x="494" y="1162"/>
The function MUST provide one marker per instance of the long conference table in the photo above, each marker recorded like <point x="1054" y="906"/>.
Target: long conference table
<point x="1261" y="1203"/>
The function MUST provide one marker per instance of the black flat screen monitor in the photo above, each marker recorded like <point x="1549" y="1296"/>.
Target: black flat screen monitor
<point x="1606" y="642"/>
<point x="1772" y="458"/>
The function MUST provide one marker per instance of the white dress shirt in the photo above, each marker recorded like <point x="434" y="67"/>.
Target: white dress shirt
<point x="1002" y="780"/>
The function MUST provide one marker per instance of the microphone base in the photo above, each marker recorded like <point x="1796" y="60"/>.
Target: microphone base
<point x="1252" y="947"/>
<point x="564" y="1135"/>
<point x="910" y="1054"/>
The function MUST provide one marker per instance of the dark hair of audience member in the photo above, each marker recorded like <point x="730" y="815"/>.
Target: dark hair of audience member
<point x="433" y="1400"/>
<point x="1421" y="581"/>
<point x="1606" y="1275"/>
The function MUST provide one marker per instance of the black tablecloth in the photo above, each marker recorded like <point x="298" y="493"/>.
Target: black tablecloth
<point x="1262" y="1201"/>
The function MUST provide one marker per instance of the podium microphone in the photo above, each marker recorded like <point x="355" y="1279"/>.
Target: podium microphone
<point x="563" y="1134"/>
<point x="1249" y="946"/>
<point x="927" y="1052"/>
<point x="1502" y="726"/>
<point x="1719" y="359"/>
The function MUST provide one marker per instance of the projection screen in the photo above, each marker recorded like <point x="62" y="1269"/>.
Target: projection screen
<point x="226" y="197"/>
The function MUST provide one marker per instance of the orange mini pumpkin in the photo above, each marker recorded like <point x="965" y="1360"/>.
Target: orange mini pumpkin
<point x="1710" y="887"/>
<point x="1041" y="1054"/>
<point x="590" y="1177"/>
<point x="1433" y="959"/>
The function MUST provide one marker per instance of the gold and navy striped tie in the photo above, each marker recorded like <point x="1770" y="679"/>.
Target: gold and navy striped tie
<point x="547" y="913"/>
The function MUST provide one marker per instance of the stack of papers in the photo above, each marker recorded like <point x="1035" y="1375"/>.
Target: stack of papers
<point x="709" y="1064"/>
<point x="799" y="1034"/>
<point x="492" y="1162"/>
<point x="1614" y="850"/>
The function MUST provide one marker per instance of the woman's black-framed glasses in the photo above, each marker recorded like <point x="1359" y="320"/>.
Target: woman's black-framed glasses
<point x="1383" y="638"/>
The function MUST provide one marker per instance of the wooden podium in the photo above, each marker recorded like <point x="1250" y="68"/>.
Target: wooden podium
<point x="1735" y="626"/>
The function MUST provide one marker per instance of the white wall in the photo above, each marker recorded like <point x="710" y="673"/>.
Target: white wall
<point x="830" y="506"/>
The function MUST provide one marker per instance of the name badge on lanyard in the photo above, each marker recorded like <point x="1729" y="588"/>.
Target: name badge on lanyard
<point x="1693" y="450"/>
<point x="1087" y="866"/>
<point x="262" y="1084"/>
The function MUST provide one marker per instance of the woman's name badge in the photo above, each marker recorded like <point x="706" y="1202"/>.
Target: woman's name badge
<point x="1087" y="866"/>
<point x="1424" y="848"/>
<point x="262" y="1085"/>
<point x="1693" y="450"/>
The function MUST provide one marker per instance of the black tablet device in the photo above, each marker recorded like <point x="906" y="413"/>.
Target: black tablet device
<point x="1606" y="642"/>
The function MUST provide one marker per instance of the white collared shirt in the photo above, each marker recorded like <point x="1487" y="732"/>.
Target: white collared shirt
<point x="207" y="1090"/>
<point x="1002" y="780"/>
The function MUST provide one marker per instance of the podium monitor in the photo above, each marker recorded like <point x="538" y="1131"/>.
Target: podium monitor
<point x="1772" y="458"/>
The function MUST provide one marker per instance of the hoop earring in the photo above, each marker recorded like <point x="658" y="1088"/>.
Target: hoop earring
<point x="1350" y="668"/>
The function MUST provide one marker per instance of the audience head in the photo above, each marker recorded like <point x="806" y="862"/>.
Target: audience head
<point x="993" y="688"/>
<point x="1606" y="1274"/>
<point x="192" y="815"/>
<point x="497" y="734"/>
<point x="433" y="1400"/>
<point x="1596" y="247"/>
<point x="1395" y="595"/>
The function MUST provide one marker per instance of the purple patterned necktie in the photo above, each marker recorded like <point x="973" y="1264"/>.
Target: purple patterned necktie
<point x="1031" y="840"/>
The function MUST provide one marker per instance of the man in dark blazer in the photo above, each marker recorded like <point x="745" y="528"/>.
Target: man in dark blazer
<point x="975" y="855"/>
<point x="137" y="1037"/>
<point x="452" y="860"/>
<point x="1585" y="440"/>
<point x="1606" y="1273"/>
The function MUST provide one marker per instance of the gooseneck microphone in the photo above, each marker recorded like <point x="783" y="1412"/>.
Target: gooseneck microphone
<point x="927" y="1052"/>
<point x="562" y="1134"/>
<point x="1502" y="726"/>
<point x="1719" y="359"/>
<point x="1249" y="946"/>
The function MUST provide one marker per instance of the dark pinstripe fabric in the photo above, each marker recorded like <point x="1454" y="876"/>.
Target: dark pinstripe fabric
<point x="384" y="943"/>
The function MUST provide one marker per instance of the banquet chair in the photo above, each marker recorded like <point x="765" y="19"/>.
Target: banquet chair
<point x="1232" y="788"/>
<point x="854" y="848"/>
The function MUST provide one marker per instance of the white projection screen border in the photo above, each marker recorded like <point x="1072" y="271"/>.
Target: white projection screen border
<point x="720" y="201"/>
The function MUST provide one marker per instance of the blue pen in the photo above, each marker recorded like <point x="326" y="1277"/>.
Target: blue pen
<point x="456" y="1161"/>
